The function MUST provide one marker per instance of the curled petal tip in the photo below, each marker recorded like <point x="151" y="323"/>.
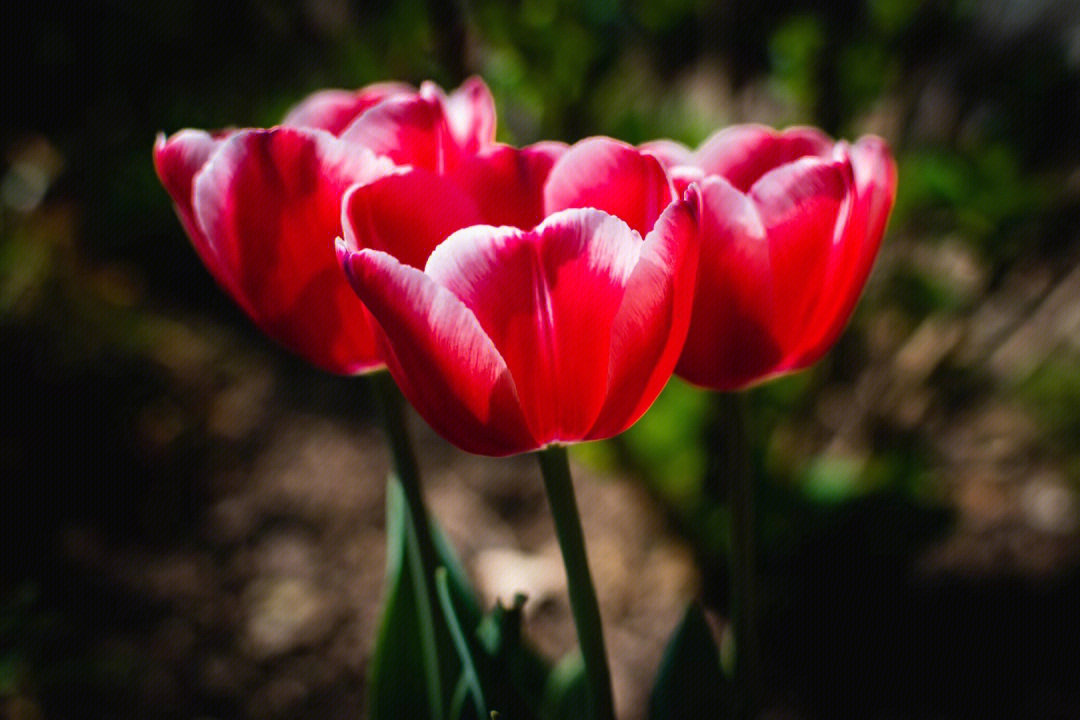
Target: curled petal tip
<point x="341" y="249"/>
<point x="692" y="196"/>
<point x="473" y="84"/>
<point x="429" y="90"/>
<point x="875" y="140"/>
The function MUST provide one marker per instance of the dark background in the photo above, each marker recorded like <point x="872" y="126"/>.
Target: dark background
<point x="191" y="518"/>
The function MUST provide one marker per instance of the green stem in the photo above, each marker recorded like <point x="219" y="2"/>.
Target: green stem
<point x="735" y="465"/>
<point x="392" y="405"/>
<point x="583" y="603"/>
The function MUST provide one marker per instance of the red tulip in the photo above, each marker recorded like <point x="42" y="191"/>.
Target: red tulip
<point x="791" y="224"/>
<point x="263" y="207"/>
<point x="511" y="340"/>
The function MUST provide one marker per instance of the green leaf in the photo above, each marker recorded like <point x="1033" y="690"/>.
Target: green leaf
<point x="402" y="683"/>
<point x="468" y="666"/>
<point x="512" y="672"/>
<point x="506" y="672"/>
<point x="690" y="682"/>
<point x="466" y="604"/>
<point x="415" y="664"/>
<point x="461" y="695"/>
<point x="510" y="675"/>
<point x="566" y="696"/>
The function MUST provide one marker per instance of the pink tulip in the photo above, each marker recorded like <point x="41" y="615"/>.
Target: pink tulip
<point x="791" y="224"/>
<point x="510" y="340"/>
<point x="263" y="207"/>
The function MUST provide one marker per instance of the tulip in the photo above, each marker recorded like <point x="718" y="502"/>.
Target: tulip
<point x="263" y="207"/>
<point x="512" y="340"/>
<point x="560" y="325"/>
<point x="791" y="224"/>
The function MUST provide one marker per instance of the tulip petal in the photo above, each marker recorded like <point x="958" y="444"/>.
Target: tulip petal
<point x="682" y="176"/>
<point x="801" y="205"/>
<point x="334" y="110"/>
<point x="410" y="130"/>
<point x="729" y="343"/>
<point x="508" y="183"/>
<point x="178" y="160"/>
<point x="470" y="112"/>
<point x="611" y="176"/>
<point x="406" y="213"/>
<point x="269" y="203"/>
<point x="547" y="299"/>
<point x="744" y="153"/>
<point x="857" y="246"/>
<point x="445" y="364"/>
<point x="669" y="152"/>
<point x="650" y="328"/>
<point x="875" y="186"/>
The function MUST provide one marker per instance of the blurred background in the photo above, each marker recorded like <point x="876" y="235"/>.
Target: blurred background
<point x="192" y="520"/>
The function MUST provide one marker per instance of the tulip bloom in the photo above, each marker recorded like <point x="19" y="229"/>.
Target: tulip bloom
<point x="511" y="340"/>
<point x="791" y="224"/>
<point x="409" y="212"/>
<point x="263" y="207"/>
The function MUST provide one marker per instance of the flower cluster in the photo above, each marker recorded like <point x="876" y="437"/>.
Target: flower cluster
<point x="523" y="297"/>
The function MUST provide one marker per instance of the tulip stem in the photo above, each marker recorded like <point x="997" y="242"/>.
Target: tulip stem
<point x="392" y="405"/>
<point x="734" y="451"/>
<point x="555" y="468"/>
